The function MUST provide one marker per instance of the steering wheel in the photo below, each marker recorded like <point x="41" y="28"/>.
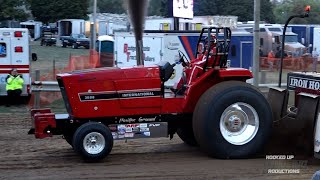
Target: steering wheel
<point x="183" y="59"/>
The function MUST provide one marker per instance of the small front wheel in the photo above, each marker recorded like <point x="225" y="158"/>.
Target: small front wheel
<point x="93" y="141"/>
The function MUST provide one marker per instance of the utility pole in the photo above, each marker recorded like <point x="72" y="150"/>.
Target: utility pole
<point x="176" y="23"/>
<point x="256" y="43"/>
<point x="93" y="32"/>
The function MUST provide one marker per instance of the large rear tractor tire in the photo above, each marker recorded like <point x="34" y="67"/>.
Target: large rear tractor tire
<point x="68" y="136"/>
<point x="186" y="134"/>
<point x="93" y="141"/>
<point x="232" y="120"/>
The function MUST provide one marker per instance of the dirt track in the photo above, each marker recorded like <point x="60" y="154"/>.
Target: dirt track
<point x="24" y="157"/>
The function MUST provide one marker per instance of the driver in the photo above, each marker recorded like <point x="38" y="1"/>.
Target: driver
<point x="198" y="64"/>
<point x="195" y="68"/>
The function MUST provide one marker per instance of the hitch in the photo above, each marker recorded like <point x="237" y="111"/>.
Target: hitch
<point x="278" y="99"/>
<point x="299" y="124"/>
<point x="292" y="119"/>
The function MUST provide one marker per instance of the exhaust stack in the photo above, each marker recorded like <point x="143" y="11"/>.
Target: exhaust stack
<point x="137" y="10"/>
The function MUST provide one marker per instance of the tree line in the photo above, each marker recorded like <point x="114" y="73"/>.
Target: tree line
<point x="51" y="11"/>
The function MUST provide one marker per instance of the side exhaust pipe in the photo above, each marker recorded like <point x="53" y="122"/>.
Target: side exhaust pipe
<point x="137" y="11"/>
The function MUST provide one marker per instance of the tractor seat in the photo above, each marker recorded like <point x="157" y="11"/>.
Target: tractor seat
<point x="166" y="70"/>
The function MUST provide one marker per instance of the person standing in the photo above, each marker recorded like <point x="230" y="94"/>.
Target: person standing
<point x="271" y="59"/>
<point x="315" y="56"/>
<point x="14" y="86"/>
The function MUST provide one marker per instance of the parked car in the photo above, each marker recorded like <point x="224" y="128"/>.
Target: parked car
<point x="75" y="40"/>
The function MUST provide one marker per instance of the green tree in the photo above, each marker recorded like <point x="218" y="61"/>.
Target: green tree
<point x="111" y="6"/>
<point x="52" y="11"/>
<point x="241" y="8"/>
<point x="287" y="8"/>
<point x="153" y="9"/>
<point x="205" y="7"/>
<point x="266" y="11"/>
<point x="159" y="8"/>
<point x="164" y="8"/>
<point x="12" y="10"/>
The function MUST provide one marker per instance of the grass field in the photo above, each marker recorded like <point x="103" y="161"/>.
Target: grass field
<point x="48" y="54"/>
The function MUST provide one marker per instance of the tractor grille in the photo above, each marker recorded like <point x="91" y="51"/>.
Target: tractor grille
<point x="64" y="95"/>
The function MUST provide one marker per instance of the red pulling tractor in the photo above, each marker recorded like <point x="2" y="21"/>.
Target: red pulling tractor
<point x="213" y="107"/>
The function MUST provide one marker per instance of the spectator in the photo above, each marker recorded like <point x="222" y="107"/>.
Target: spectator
<point x="271" y="54"/>
<point x="278" y="53"/>
<point x="315" y="56"/>
<point x="304" y="59"/>
<point x="271" y="57"/>
<point x="14" y="86"/>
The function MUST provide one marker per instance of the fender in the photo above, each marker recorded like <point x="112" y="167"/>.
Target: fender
<point x="208" y="80"/>
<point x="235" y="73"/>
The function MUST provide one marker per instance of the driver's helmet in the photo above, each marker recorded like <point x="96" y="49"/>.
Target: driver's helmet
<point x="213" y="41"/>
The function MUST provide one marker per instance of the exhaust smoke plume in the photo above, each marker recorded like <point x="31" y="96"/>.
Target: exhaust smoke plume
<point x="137" y="10"/>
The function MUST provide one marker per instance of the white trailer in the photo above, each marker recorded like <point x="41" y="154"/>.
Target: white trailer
<point x="101" y="28"/>
<point x="316" y="37"/>
<point x="66" y="27"/>
<point x="15" y="53"/>
<point x="153" y="48"/>
<point x="34" y="28"/>
<point x="160" y="23"/>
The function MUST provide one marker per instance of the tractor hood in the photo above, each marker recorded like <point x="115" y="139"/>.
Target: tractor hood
<point x="112" y="73"/>
<point x="112" y="90"/>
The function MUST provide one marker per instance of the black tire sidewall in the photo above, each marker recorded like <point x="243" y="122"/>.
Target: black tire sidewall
<point x="69" y="138"/>
<point x="187" y="136"/>
<point x="84" y="130"/>
<point x="207" y="128"/>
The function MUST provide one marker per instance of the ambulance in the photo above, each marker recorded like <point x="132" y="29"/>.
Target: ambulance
<point x="15" y="53"/>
